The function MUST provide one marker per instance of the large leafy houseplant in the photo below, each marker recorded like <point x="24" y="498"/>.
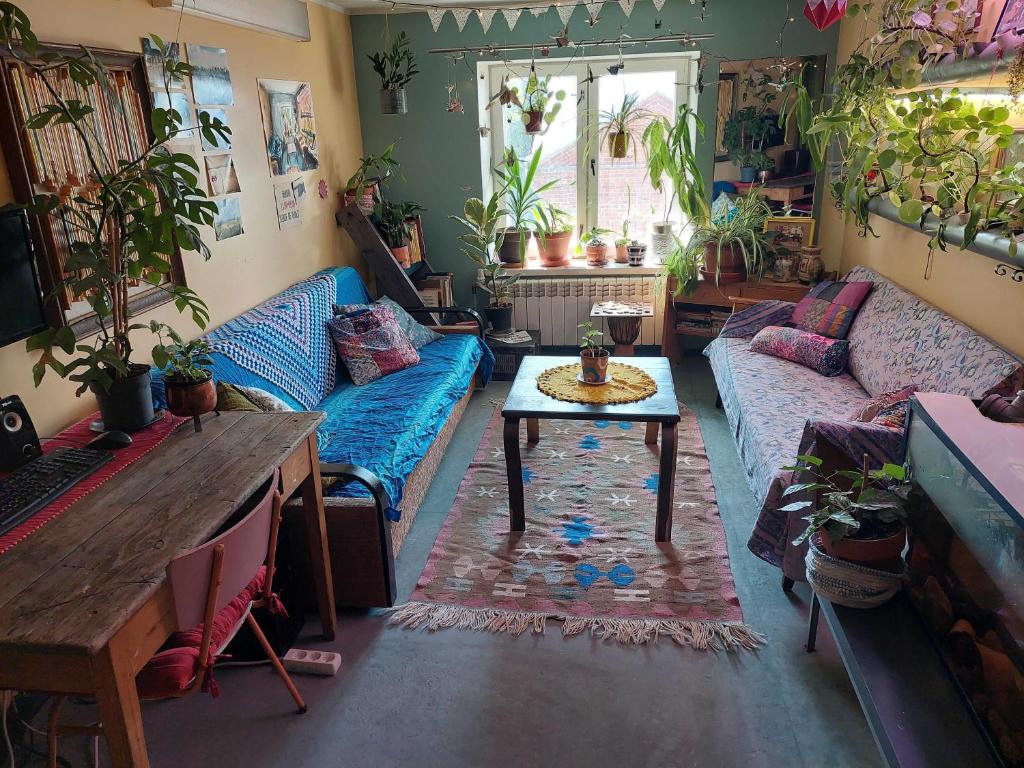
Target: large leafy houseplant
<point x="670" y="147"/>
<point x="733" y="246"/>
<point x="925" y="150"/>
<point x="128" y="218"/>
<point x="520" y="202"/>
<point x="483" y="236"/>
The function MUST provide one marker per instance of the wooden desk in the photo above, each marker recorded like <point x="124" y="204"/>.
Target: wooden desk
<point x="786" y="190"/>
<point x="84" y="601"/>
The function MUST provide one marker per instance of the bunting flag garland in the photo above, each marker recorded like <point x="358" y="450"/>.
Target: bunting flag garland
<point x="658" y="5"/>
<point x="565" y="12"/>
<point x="594" y="9"/>
<point x="538" y="11"/>
<point x="461" y="15"/>
<point x="627" y="6"/>
<point x="511" y="17"/>
<point x="435" y="15"/>
<point x="485" y="14"/>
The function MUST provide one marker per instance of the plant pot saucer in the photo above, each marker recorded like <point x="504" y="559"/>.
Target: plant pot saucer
<point x="724" y="278"/>
<point x="97" y="426"/>
<point x="607" y="380"/>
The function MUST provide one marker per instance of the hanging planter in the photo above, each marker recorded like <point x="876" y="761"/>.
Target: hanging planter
<point x="539" y="104"/>
<point x="618" y="145"/>
<point x="396" y="67"/>
<point x="534" y="120"/>
<point x="618" y="125"/>
<point x="393" y="102"/>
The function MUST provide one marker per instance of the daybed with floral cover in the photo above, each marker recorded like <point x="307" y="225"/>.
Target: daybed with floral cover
<point x="778" y="409"/>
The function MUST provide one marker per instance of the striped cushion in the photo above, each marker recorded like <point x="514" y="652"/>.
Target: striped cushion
<point x="830" y="307"/>
<point x="747" y="322"/>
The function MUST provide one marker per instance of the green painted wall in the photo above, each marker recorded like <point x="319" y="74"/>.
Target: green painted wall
<point x="440" y="152"/>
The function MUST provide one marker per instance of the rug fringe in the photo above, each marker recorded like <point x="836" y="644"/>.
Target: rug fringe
<point x="701" y="635"/>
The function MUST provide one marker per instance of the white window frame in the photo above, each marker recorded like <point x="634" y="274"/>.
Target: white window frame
<point x="492" y="140"/>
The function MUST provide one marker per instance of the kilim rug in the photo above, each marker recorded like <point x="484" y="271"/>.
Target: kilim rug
<point x="588" y="557"/>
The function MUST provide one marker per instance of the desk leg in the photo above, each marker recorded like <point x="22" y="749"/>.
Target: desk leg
<point x="118" y="701"/>
<point x="316" y="532"/>
<point x="651" y="435"/>
<point x="532" y="431"/>
<point x="666" y="482"/>
<point x="514" y="467"/>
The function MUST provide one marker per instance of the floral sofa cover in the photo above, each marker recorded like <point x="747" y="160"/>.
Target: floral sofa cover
<point x="778" y="409"/>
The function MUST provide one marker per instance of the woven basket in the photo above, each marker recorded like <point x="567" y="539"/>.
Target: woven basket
<point x="844" y="583"/>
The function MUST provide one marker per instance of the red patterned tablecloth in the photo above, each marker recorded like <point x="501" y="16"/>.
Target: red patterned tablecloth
<point x="78" y="435"/>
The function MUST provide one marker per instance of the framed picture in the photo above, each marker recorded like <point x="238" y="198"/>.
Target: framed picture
<point x="1012" y="18"/>
<point x="988" y="19"/>
<point x="726" y="106"/>
<point x="794" y="231"/>
<point x="289" y="126"/>
<point x="211" y="78"/>
<point x="416" y="247"/>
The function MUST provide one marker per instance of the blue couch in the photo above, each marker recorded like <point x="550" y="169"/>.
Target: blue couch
<point x="382" y="440"/>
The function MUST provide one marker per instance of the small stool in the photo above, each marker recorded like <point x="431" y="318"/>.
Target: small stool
<point x="623" y="318"/>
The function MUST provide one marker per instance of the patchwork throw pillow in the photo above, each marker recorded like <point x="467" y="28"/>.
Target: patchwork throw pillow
<point x="419" y="335"/>
<point x="888" y="409"/>
<point x="830" y="307"/>
<point x="811" y="350"/>
<point x="371" y="344"/>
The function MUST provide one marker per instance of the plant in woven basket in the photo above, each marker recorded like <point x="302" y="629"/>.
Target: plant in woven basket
<point x="866" y="506"/>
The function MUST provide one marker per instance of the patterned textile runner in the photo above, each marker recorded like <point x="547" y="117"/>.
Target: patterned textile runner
<point x="628" y="385"/>
<point x="588" y="557"/>
<point x="76" y="436"/>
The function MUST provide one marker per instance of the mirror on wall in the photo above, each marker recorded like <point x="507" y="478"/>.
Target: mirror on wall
<point x="750" y="147"/>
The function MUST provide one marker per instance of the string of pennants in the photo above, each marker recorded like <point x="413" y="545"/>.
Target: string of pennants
<point x="511" y="15"/>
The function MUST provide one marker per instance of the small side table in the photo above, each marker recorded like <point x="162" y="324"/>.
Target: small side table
<point x="624" y="318"/>
<point x="507" y="357"/>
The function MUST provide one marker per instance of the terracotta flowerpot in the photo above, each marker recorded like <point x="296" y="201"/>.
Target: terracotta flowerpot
<point x="731" y="270"/>
<point x="595" y="367"/>
<point x="621" y="254"/>
<point x="866" y="551"/>
<point x="508" y="254"/>
<point x="191" y="399"/>
<point x="366" y="201"/>
<point x="535" y="122"/>
<point x="554" y="249"/>
<point x="618" y="145"/>
<point x="402" y="256"/>
<point x="597" y="255"/>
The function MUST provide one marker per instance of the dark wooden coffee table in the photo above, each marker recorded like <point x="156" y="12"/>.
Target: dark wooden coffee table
<point x="661" y="410"/>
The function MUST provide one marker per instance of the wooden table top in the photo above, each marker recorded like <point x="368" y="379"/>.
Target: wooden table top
<point x="526" y="401"/>
<point x="70" y="585"/>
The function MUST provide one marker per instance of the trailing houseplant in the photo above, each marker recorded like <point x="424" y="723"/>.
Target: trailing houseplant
<point x="619" y="126"/>
<point x="363" y="187"/>
<point x="395" y="66"/>
<point x="392" y="221"/>
<point x="860" y="515"/>
<point x="520" y="202"/>
<point x="593" y="357"/>
<point x="540" y="105"/>
<point x="187" y="377"/>
<point x="553" y="227"/>
<point x="481" y="239"/>
<point x="129" y="218"/>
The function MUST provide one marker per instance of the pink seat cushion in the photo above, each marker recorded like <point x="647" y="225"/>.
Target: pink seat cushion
<point x="170" y="672"/>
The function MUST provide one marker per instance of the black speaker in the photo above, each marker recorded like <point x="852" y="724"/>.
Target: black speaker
<point x="19" y="442"/>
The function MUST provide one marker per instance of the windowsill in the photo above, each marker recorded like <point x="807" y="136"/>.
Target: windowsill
<point x="580" y="268"/>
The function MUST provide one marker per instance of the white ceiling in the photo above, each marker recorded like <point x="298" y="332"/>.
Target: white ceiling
<point x="377" y="6"/>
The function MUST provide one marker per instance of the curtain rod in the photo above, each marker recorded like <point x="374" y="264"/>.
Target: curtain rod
<point x="617" y="42"/>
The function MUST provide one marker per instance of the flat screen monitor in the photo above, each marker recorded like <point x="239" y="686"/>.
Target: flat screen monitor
<point x="21" y="301"/>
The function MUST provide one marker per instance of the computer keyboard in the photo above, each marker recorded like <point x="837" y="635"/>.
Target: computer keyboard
<point x="32" y="486"/>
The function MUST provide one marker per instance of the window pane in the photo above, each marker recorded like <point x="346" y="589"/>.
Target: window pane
<point x="622" y="182"/>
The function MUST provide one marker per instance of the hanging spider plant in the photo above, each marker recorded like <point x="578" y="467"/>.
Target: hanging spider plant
<point x="620" y="126"/>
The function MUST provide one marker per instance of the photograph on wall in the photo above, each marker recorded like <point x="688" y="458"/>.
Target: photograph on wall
<point x="289" y="126"/>
<point x="220" y="170"/>
<point x="179" y="103"/>
<point x="155" y="65"/>
<point x="228" y="221"/>
<point x="223" y="142"/>
<point x="1012" y="19"/>
<point x="211" y="79"/>
<point x="288" y="213"/>
<point x="794" y="231"/>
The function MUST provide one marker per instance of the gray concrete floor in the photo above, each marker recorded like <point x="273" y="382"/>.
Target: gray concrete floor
<point x="458" y="699"/>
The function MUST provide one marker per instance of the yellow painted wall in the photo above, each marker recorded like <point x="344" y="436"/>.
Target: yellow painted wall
<point x="246" y="269"/>
<point x="961" y="283"/>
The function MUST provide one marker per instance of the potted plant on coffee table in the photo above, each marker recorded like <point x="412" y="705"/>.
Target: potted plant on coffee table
<point x="391" y="220"/>
<point x="480" y="240"/>
<point x="363" y="186"/>
<point x="619" y="126"/>
<point x="593" y="357"/>
<point x="187" y="378"/>
<point x="395" y="67"/>
<point x="520" y="203"/>
<point x="554" y="229"/>
<point x="129" y="218"/>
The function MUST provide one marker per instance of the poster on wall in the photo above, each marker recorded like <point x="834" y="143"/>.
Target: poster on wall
<point x="155" y="65"/>
<point x="220" y="170"/>
<point x="288" y="213"/>
<point x="289" y="126"/>
<point x="211" y="79"/>
<point x="228" y="221"/>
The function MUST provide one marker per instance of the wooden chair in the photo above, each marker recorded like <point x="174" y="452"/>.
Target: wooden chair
<point x="204" y="583"/>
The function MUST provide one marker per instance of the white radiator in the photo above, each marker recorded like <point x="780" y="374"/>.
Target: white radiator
<point x="555" y="306"/>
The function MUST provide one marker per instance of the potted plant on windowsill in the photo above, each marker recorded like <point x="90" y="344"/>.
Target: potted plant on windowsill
<point x="540" y="105"/>
<point x="391" y="220"/>
<point x="187" y="378"/>
<point x="622" y="243"/>
<point x="595" y="247"/>
<point x="554" y="231"/>
<point x="619" y="126"/>
<point x="862" y="523"/>
<point x="363" y="187"/>
<point x="733" y="249"/>
<point x="480" y="240"/>
<point x="593" y="357"/>
<point x="395" y="67"/>
<point x="129" y="219"/>
<point x="520" y="201"/>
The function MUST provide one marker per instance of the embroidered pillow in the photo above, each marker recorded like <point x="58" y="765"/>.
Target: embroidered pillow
<point x="264" y="400"/>
<point x="811" y="350"/>
<point x="371" y="344"/>
<point x="830" y="307"/>
<point x="419" y="335"/>
<point x="888" y="409"/>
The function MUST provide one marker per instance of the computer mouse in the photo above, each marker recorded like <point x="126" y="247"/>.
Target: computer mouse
<point x="114" y="439"/>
